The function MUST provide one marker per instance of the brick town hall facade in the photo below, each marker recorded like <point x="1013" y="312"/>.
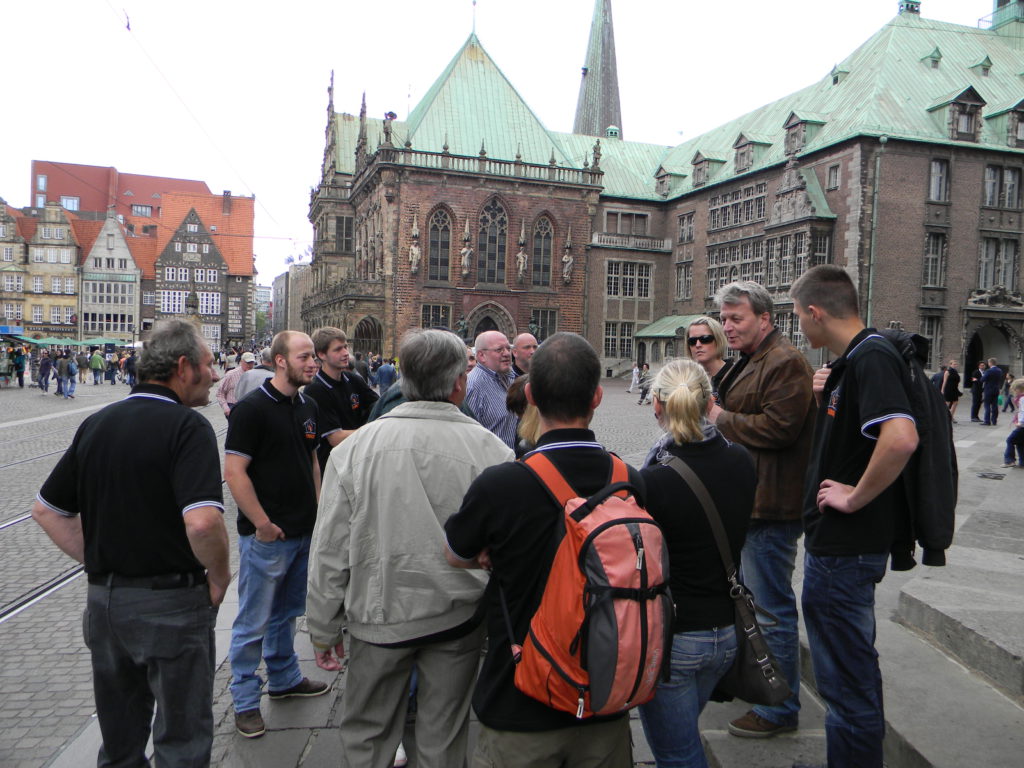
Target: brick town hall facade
<point x="903" y="165"/>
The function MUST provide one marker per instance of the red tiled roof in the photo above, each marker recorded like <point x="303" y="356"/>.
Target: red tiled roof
<point x="234" y="229"/>
<point x="85" y="233"/>
<point x="27" y="226"/>
<point x="144" y="252"/>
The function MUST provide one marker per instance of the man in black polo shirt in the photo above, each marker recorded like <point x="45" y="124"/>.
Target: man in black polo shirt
<point x="864" y="436"/>
<point x="145" y="516"/>
<point x="344" y="399"/>
<point x="271" y="468"/>
<point x="509" y="521"/>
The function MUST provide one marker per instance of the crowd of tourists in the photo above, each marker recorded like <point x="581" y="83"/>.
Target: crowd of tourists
<point x="400" y="523"/>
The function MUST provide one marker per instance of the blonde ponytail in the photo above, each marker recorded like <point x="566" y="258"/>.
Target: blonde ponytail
<point x="683" y="388"/>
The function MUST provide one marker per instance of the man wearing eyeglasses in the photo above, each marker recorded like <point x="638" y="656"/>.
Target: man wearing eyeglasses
<point x="488" y="385"/>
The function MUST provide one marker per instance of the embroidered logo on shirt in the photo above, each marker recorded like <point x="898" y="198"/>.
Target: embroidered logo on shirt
<point x="833" y="403"/>
<point x="310" y="429"/>
<point x="353" y="401"/>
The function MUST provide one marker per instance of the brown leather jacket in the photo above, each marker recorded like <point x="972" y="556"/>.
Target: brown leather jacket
<point x="770" y="410"/>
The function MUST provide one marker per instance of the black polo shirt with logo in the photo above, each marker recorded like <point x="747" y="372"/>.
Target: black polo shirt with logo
<point x="132" y="472"/>
<point x="509" y="512"/>
<point x="278" y="434"/>
<point x="345" y="403"/>
<point x="868" y="386"/>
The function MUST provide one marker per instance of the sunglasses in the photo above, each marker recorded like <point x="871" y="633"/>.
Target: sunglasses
<point x="692" y="340"/>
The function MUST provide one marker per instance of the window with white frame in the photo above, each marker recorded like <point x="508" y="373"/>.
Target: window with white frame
<point x="65" y="255"/>
<point x="192" y="247"/>
<point x="40" y="183"/>
<point x="192" y="227"/>
<point x="206" y="249"/>
<point x="54" y="285"/>
<point x="626" y="223"/>
<point x="684" y="281"/>
<point x="931" y="329"/>
<point x="9" y="311"/>
<point x="37" y="313"/>
<point x="209" y="302"/>
<point x="211" y="333"/>
<point x="8" y="253"/>
<point x="142" y="210"/>
<point x="69" y="285"/>
<point x="69" y="203"/>
<point x="938" y="181"/>
<point x="38" y="255"/>
<point x="148" y="298"/>
<point x="37" y="284"/>
<point x="8" y="282"/>
<point x="613" y="279"/>
<point x="40" y="201"/>
<point x="546" y="321"/>
<point x="686" y="227"/>
<point x="833" y="177"/>
<point x="69" y="313"/>
<point x="1002" y="187"/>
<point x="122" y="263"/>
<point x="934" y="259"/>
<point x="177" y="247"/>
<point x="172" y="302"/>
<point x="997" y="265"/>
<point x="55" y="315"/>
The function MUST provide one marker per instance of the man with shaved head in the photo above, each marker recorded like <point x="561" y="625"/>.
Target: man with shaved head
<point x="488" y="385"/>
<point x="523" y="347"/>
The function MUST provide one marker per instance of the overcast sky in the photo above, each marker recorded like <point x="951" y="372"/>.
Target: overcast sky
<point x="234" y="93"/>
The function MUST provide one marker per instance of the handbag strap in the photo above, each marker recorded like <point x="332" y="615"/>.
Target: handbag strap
<point x="710" y="510"/>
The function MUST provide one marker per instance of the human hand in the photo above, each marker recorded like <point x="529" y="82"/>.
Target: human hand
<point x="837" y="496"/>
<point x="269" y="532"/>
<point x="218" y="585"/>
<point x="331" y="659"/>
<point x="818" y="383"/>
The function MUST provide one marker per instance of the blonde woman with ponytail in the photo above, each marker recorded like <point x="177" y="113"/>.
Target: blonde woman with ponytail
<point x="704" y="641"/>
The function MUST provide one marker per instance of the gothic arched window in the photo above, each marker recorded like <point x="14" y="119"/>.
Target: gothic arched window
<point x="542" y="252"/>
<point x="491" y="244"/>
<point x="439" y="248"/>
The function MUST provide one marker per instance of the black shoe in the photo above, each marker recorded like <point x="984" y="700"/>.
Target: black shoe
<point x="305" y="688"/>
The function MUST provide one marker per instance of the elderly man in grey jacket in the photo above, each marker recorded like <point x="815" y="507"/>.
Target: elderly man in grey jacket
<point x="377" y="563"/>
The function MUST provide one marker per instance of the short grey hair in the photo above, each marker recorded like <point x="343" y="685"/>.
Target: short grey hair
<point x="265" y="357"/>
<point x="734" y="293"/>
<point x="171" y="339"/>
<point x="432" y="361"/>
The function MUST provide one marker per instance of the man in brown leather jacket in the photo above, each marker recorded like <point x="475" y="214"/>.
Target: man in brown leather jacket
<point x="768" y="407"/>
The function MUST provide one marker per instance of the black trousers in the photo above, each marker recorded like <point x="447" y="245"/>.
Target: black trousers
<point x="152" y="647"/>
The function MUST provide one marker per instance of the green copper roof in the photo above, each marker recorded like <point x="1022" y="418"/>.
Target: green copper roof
<point x="667" y="327"/>
<point x="473" y="103"/>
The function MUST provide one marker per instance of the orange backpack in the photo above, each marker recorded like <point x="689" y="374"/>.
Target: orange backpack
<point x="603" y="630"/>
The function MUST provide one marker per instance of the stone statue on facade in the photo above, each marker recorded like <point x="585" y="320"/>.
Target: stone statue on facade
<point x="996" y="296"/>
<point x="460" y="327"/>
<point x="466" y="255"/>
<point x="414" y="258"/>
<point x="567" y="261"/>
<point x="521" y="261"/>
<point x="534" y="329"/>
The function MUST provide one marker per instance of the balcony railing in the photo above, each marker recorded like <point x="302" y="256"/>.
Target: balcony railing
<point x="445" y="161"/>
<point x="632" y="242"/>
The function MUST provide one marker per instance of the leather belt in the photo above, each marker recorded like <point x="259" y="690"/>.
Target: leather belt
<point x="161" y="581"/>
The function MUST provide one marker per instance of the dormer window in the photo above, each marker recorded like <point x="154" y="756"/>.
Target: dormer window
<point x="965" y="122"/>
<point x="983" y="67"/>
<point x="744" y="157"/>
<point x="933" y="58"/>
<point x="960" y="114"/>
<point x="700" y="173"/>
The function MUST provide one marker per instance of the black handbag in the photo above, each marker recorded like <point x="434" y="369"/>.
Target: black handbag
<point x="754" y="676"/>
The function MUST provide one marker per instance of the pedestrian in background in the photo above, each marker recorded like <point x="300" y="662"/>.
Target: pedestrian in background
<point x="146" y="519"/>
<point x="644" y="382"/>
<point x="974" y="382"/>
<point x="1015" y="440"/>
<point x="45" y="367"/>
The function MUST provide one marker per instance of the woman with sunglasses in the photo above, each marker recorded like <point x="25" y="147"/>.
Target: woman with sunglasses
<point x="704" y="639"/>
<point x="706" y="345"/>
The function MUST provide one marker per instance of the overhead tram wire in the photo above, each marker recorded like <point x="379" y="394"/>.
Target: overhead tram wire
<point x="192" y="114"/>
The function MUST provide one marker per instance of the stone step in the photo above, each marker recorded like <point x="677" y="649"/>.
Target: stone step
<point x="974" y="608"/>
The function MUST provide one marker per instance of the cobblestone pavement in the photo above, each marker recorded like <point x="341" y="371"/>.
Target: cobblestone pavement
<point x="45" y="678"/>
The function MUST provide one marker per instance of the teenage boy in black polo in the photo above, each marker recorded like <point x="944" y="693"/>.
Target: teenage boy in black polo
<point x="345" y="400"/>
<point x="146" y="518"/>
<point x="509" y="519"/>
<point x="864" y="436"/>
<point x="271" y="468"/>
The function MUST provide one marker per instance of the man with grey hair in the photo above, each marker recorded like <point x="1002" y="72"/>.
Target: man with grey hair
<point x="146" y="518"/>
<point x="767" y="406"/>
<point x="377" y="563"/>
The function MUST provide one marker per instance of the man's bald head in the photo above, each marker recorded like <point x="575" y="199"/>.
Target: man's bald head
<point x="493" y="351"/>
<point x="523" y="347"/>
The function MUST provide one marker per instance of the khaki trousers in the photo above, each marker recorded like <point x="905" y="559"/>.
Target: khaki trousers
<point x="603" y="745"/>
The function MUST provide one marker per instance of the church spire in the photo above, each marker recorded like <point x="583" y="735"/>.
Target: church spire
<point x="598" y="104"/>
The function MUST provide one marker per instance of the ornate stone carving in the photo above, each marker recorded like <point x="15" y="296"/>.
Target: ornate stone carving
<point x="466" y="254"/>
<point x="414" y="249"/>
<point x="567" y="259"/>
<point x="997" y="296"/>
<point x="521" y="258"/>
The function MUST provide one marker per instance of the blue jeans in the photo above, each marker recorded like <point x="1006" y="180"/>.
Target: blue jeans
<point x="69" y="386"/>
<point x="699" y="659"/>
<point x="97" y="374"/>
<point x="1014" y="444"/>
<point x="44" y="382"/>
<point x="271" y="596"/>
<point x="839" y="613"/>
<point x="766" y="566"/>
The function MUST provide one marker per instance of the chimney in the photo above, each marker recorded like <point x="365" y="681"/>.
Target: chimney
<point x="910" y="6"/>
<point x="227" y="201"/>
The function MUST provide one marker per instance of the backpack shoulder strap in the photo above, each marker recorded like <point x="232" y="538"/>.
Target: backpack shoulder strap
<point x="619" y="473"/>
<point x="550" y="477"/>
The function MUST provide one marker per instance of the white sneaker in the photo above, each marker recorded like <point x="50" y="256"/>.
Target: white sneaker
<point x="401" y="758"/>
<point x="1007" y="464"/>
